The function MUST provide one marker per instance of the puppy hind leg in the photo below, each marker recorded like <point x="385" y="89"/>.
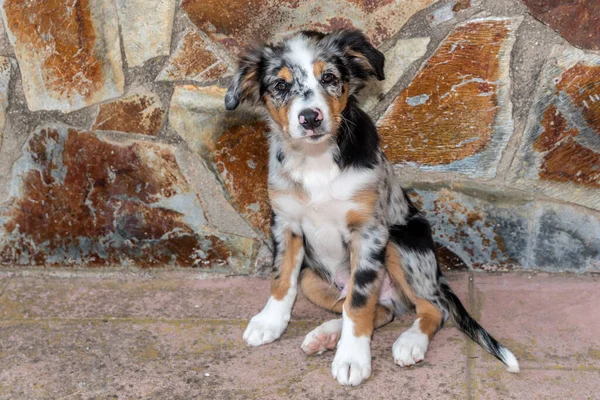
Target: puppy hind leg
<point x="326" y="336"/>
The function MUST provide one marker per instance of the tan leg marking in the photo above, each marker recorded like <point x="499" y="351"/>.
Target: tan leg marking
<point x="431" y="316"/>
<point x="281" y="285"/>
<point x="365" y="201"/>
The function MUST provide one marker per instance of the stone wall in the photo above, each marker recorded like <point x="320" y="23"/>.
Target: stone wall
<point x="116" y="149"/>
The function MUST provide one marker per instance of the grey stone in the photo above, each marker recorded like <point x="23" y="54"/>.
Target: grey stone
<point x="565" y="239"/>
<point x="483" y="232"/>
<point x="146" y="27"/>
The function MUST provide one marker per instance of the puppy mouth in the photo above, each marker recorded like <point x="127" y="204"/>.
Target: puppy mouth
<point x="313" y="136"/>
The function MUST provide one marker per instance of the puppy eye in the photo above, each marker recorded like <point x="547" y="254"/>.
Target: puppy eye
<point x="281" y="86"/>
<point x="328" y="77"/>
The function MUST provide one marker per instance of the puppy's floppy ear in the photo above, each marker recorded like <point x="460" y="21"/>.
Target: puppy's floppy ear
<point x="363" y="59"/>
<point x="246" y="82"/>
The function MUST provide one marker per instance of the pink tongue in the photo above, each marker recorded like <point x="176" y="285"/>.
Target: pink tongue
<point x="310" y="132"/>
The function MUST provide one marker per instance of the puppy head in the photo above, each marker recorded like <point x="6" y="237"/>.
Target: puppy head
<point x="305" y="81"/>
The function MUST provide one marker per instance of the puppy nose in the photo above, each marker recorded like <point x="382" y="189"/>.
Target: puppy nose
<point x="310" y="118"/>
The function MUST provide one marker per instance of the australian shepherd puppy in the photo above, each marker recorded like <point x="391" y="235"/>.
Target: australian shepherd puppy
<point x="343" y="228"/>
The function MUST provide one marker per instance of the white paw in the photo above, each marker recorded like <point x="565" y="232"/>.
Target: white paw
<point x="410" y="347"/>
<point x="322" y="338"/>
<point x="268" y="325"/>
<point x="352" y="362"/>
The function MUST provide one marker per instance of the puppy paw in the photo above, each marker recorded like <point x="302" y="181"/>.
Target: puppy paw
<point x="410" y="347"/>
<point x="322" y="338"/>
<point x="266" y="327"/>
<point x="352" y="362"/>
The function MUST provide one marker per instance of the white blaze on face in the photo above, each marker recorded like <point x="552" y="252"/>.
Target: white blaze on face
<point x="302" y="57"/>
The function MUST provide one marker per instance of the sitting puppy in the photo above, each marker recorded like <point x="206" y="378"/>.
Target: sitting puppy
<point x="343" y="228"/>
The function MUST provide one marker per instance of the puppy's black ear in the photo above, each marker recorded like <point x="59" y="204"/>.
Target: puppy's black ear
<point x="363" y="59"/>
<point x="246" y="82"/>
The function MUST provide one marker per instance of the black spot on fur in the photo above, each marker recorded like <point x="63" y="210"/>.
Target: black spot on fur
<point x="280" y="156"/>
<point x="364" y="277"/>
<point x="358" y="300"/>
<point x="357" y="138"/>
<point x="415" y="235"/>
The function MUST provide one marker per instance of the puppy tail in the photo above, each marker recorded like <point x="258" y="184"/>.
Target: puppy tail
<point x="472" y="329"/>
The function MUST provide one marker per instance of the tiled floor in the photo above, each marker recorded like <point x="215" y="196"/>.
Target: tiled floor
<point x="171" y="336"/>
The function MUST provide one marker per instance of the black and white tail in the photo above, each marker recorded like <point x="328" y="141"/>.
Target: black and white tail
<point x="472" y="329"/>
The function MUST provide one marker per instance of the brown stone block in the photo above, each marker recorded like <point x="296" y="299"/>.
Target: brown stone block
<point x="241" y="157"/>
<point x="235" y="23"/>
<point x="79" y="199"/>
<point x="458" y="105"/>
<point x="195" y="60"/>
<point x="560" y="151"/>
<point x="577" y="21"/>
<point x="140" y="113"/>
<point x="68" y="52"/>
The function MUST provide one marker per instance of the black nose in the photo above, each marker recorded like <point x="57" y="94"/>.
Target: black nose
<point x="310" y="118"/>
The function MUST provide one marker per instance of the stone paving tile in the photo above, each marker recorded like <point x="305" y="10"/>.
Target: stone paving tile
<point x="495" y="383"/>
<point x="204" y="360"/>
<point x="94" y="298"/>
<point x="230" y="298"/>
<point x="548" y="321"/>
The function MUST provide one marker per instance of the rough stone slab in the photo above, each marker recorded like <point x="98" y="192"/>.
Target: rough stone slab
<point x="397" y="60"/>
<point x="483" y="233"/>
<point x="448" y="11"/>
<point x="549" y="321"/>
<point x="234" y="145"/>
<point x="164" y="296"/>
<point x="577" y="21"/>
<point x="5" y="75"/>
<point x="241" y="157"/>
<point x="69" y="53"/>
<point x="141" y="113"/>
<point x="164" y="359"/>
<point x="559" y="154"/>
<point x="566" y="239"/>
<point x="194" y="60"/>
<point x="456" y="114"/>
<point x="146" y="27"/>
<point x="537" y="384"/>
<point x="79" y="199"/>
<point x="234" y="23"/>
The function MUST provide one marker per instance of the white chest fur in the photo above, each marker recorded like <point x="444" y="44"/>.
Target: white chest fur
<point x="320" y="212"/>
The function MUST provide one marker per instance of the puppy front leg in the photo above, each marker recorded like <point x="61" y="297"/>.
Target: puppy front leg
<point x="352" y="362"/>
<point x="268" y="325"/>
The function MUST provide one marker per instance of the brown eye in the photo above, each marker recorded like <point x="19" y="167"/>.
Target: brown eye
<point x="281" y="86"/>
<point x="328" y="77"/>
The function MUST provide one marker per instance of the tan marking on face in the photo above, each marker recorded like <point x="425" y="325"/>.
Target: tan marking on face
<point x="279" y="114"/>
<point x="365" y="204"/>
<point x="430" y="315"/>
<point x="286" y="74"/>
<point x="281" y="285"/>
<point x="318" y="68"/>
<point x="336" y="105"/>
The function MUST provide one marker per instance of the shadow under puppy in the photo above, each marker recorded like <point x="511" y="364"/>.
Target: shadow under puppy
<point x="343" y="228"/>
